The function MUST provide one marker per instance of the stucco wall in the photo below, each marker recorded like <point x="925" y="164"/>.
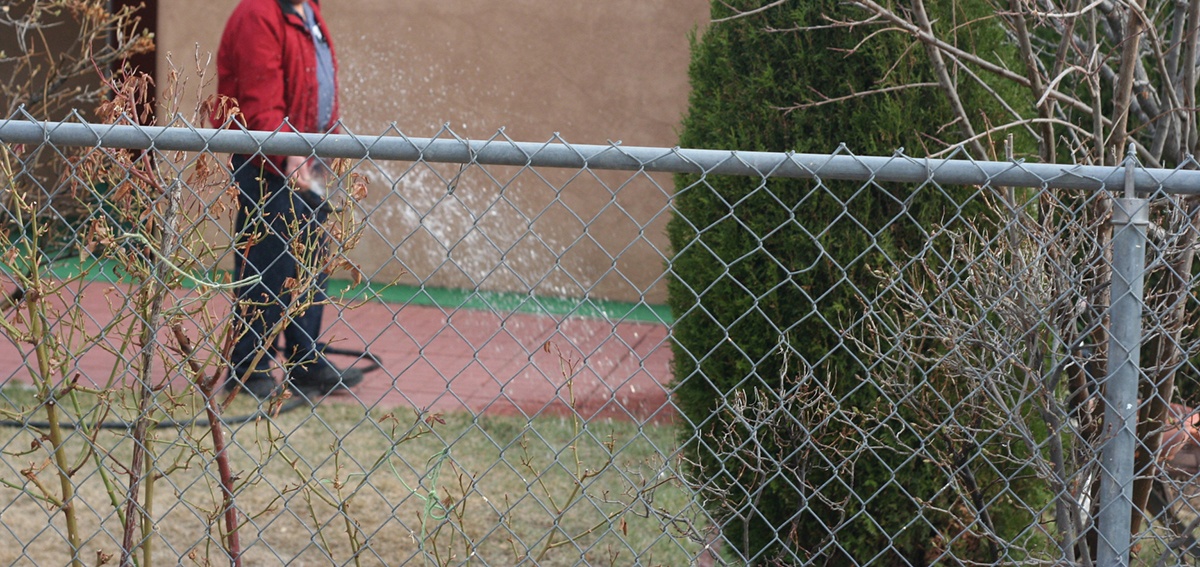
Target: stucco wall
<point x="591" y="71"/>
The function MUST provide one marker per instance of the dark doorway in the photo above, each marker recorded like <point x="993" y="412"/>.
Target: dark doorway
<point x="147" y="11"/>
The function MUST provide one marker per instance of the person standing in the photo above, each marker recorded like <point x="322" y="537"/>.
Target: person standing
<point x="277" y="62"/>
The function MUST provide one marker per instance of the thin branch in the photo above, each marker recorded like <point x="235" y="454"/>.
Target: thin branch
<point x="741" y="14"/>
<point x="947" y="48"/>
<point x="205" y="384"/>
<point x="1054" y="83"/>
<point x="999" y="99"/>
<point x="827" y="100"/>
<point x="1124" y="87"/>
<point x="947" y="84"/>
<point x="960" y="55"/>
<point x="1035" y="82"/>
<point x="1064" y="44"/>
<point x="1071" y="14"/>
<point x="1007" y="126"/>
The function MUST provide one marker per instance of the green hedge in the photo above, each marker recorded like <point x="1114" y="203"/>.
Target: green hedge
<point x="760" y="261"/>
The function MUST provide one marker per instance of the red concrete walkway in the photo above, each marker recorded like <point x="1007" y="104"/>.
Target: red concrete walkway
<point x="432" y="358"/>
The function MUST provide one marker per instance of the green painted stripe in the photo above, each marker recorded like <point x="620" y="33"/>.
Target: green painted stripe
<point x="505" y="302"/>
<point x="445" y="298"/>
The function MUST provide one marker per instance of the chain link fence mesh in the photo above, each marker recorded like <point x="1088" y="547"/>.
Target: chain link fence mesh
<point x="526" y="408"/>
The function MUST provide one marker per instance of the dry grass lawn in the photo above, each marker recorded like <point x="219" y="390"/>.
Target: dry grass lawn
<point x="337" y="485"/>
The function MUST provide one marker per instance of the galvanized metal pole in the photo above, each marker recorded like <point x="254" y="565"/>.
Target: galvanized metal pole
<point x="555" y="153"/>
<point x="1130" y="219"/>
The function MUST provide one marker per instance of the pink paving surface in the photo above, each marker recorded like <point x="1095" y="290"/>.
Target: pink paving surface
<point x="434" y="359"/>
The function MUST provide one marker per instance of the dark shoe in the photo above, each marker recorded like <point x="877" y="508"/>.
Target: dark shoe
<point x="259" y="383"/>
<point x="321" y="378"/>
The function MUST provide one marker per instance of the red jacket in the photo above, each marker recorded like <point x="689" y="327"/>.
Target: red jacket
<point x="267" y="63"/>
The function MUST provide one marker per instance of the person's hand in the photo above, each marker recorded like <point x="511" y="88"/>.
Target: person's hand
<point x="298" y="170"/>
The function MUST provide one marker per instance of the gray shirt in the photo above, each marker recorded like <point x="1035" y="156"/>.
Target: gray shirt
<point x="325" y="79"/>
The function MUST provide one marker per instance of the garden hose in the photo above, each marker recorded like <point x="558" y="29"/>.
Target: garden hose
<point x="299" y="399"/>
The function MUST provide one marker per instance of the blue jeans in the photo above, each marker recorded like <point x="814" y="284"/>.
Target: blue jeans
<point x="272" y="219"/>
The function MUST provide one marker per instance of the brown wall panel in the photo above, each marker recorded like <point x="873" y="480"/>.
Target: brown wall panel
<point x="590" y="72"/>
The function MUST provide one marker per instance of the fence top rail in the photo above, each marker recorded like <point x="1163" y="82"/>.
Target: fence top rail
<point x="557" y="153"/>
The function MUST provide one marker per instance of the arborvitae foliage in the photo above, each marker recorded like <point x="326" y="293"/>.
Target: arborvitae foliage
<point x="769" y="274"/>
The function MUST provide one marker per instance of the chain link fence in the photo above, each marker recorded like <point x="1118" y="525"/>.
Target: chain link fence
<point x="1020" y="340"/>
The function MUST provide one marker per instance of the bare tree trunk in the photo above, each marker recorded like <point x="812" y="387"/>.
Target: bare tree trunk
<point x="1123" y="97"/>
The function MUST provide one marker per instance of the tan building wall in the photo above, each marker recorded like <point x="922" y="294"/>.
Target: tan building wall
<point x="591" y="71"/>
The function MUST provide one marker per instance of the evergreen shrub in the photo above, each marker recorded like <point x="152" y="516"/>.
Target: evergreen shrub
<point x="769" y="273"/>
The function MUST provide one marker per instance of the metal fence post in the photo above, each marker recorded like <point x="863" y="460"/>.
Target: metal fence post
<point x="1130" y="218"/>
